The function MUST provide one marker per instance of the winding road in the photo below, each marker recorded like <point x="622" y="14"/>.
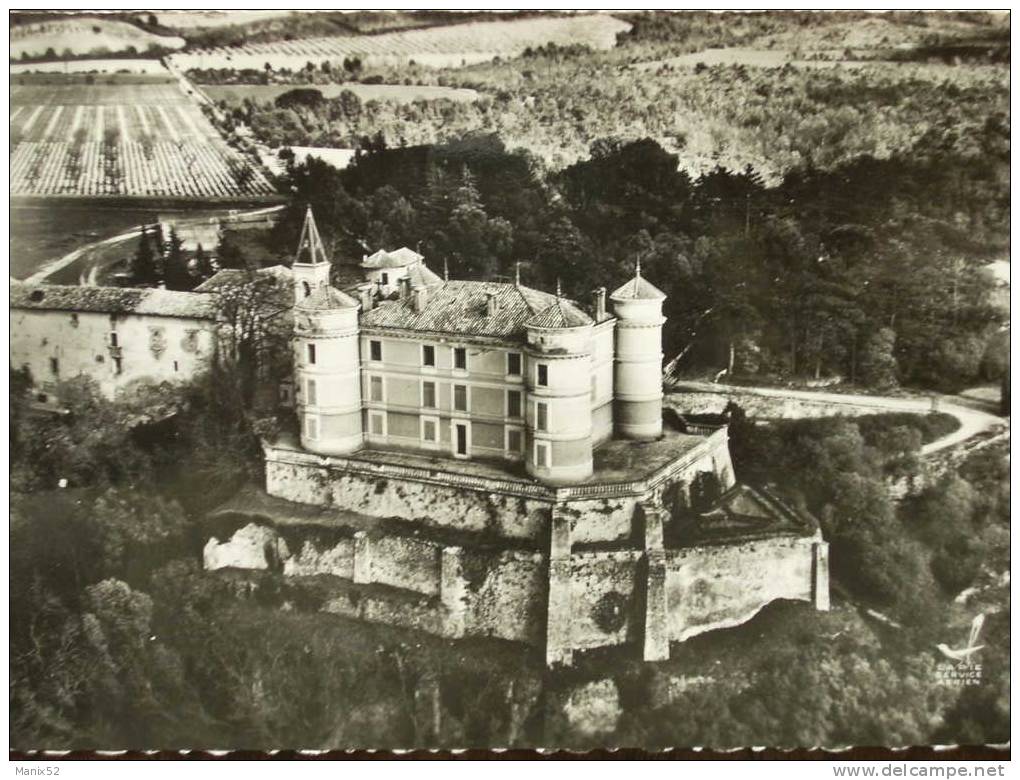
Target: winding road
<point x="89" y="275"/>
<point x="973" y="422"/>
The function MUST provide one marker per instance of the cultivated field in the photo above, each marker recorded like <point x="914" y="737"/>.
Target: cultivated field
<point x="122" y="139"/>
<point x="182" y="20"/>
<point x="111" y="65"/>
<point x="83" y="35"/>
<point x="236" y="93"/>
<point x="448" y="46"/>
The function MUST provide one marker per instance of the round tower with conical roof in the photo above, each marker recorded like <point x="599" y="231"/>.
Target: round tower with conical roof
<point x="559" y="394"/>
<point x="326" y="359"/>
<point x="637" y="366"/>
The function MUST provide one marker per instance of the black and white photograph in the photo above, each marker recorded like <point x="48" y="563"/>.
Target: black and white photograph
<point x="510" y="382"/>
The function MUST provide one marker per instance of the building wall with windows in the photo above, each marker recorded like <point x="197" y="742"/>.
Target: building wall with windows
<point x="462" y="398"/>
<point x="116" y="337"/>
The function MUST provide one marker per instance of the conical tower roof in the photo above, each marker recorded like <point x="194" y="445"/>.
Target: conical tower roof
<point x="310" y="250"/>
<point x="638" y="287"/>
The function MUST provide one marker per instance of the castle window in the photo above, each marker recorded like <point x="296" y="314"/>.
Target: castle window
<point x="311" y="354"/>
<point x="460" y="398"/>
<point x="118" y="366"/>
<point x="541" y="416"/>
<point x="310" y="392"/>
<point x="542" y="378"/>
<point x="113" y="340"/>
<point x="377" y="423"/>
<point x="514" y="440"/>
<point x="513" y="363"/>
<point x="429" y="429"/>
<point x="375" y="388"/>
<point x="176" y="368"/>
<point x="513" y="403"/>
<point x="428" y="355"/>
<point x="428" y="395"/>
<point x="542" y="454"/>
<point x="385" y="279"/>
<point x="460" y="358"/>
<point x="311" y="427"/>
<point x="306" y="288"/>
<point x="54" y="366"/>
<point x="375" y="351"/>
<point x="74" y="320"/>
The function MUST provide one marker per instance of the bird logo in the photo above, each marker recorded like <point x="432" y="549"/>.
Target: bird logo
<point x="963" y="654"/>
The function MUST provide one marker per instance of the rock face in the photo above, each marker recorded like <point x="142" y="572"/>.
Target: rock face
<point x="252" y="547"/>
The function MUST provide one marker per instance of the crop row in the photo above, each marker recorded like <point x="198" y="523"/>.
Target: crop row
<point x="508" y="38"/>
<point x="132" y="122"/>
<point x="189" y="168"/>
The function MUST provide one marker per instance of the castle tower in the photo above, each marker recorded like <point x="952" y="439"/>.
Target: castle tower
<point x="311" y="267"/>
<point x="327" y="357"/>
<point x="638" y="361"/>
<point x="559" y="394"/>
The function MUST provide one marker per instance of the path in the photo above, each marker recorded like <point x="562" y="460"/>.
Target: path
<point x="972" y="421"/>
<point x="90" y="274"/>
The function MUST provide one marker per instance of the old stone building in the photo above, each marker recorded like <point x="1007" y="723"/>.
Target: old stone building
<point x="115" y="336"/>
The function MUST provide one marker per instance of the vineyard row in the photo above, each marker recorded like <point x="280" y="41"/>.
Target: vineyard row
<point x="189" y="168"/>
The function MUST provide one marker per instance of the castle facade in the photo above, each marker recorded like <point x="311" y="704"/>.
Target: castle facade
<point x="472" y="369"/>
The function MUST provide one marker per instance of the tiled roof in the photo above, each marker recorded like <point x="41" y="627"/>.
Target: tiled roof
<point x="561" y="314"/>
<point x="422" y="276"/>
<point x="114" y="300"/>
<point x="461" y="307"/>
<point x="638" y="287"/>
<point x="398" y="258"/>
<point x="228" y="277"/>
<point x="325" y="298"/>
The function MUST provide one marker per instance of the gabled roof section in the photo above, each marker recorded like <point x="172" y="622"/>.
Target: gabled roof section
<point x="561" y="314"/>
<point x="310" y="250"/>
<point x="422" y="276"/>
<point x="398" y="258"/>
<point x="230" y="277"/>
<point x="327" y="298"/>
<point x="461" y="307"/>
<point x="114" y="300"/>
<point x="638" y="288"/>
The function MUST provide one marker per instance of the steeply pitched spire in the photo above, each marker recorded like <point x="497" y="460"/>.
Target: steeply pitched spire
<point x="310" y="249"/>
<point x="517" y="273"/>
<point x="559" y="288"/>
<point x="637" y="268"/>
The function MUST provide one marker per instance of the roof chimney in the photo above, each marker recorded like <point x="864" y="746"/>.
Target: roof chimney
<point x="599" y="301"/>
<point x="365" y="296"/>
<point x="491" y="306"/>
<point x="418" y="297"/>
<point x="405" y="288"/>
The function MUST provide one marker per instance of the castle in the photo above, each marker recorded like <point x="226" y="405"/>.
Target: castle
<point x="472" y="369"/>
<point x="487" y="459"/>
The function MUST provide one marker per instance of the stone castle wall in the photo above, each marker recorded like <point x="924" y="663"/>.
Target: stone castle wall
<point x="725" y="585"/>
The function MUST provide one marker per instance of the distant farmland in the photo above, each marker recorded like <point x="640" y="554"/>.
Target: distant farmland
<point x="83" y="35"/>
<point x="447" y="46"/>
<point x="131" y="138"/>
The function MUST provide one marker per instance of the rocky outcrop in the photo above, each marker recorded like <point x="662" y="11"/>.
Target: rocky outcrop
<point x="252" y="547"/>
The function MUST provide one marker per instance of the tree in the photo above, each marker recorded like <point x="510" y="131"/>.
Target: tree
<point x="877" y="362"/>
<point x="175" y="265"/>
<point x="143" y="264"/>
<point x="203" y="263"/>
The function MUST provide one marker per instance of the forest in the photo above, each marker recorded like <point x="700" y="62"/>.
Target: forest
<point x="856" y="272"/>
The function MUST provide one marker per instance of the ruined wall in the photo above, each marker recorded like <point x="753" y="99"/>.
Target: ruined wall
<point x="606" y="605"/>
<point x="719" y="586"/>
<point x="507" y="594"/>
<point x="436" y="505"/>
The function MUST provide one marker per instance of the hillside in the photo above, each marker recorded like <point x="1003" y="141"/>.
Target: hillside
<point x="82" y="35"/>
